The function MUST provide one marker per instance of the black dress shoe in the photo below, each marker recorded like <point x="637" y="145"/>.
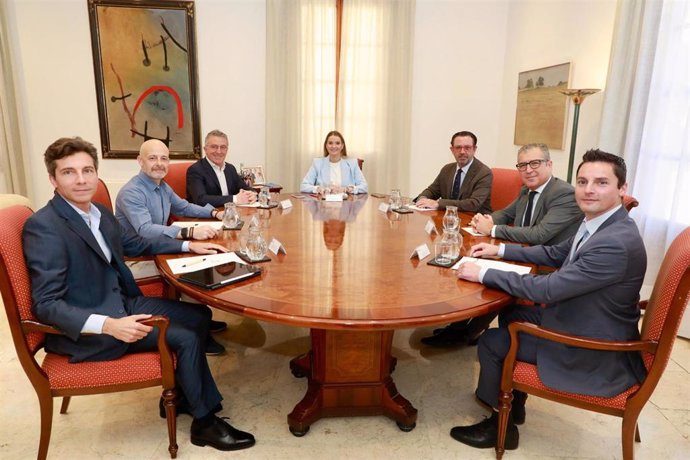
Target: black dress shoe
<point x="213" y="348"/>
<point x="217" y="326"/>
<point x="220" y="435"/>
<point x="183" y="408"/>
<point x="447" y="337"/>
<point x="484" y="434"/>
<point x="518" y="407"/>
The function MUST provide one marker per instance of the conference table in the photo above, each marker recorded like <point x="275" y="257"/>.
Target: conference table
<point x="347" y="275"/>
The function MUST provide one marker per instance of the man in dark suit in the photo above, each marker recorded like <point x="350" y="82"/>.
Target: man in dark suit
<point x="545" y="212"/>
<point x="213" y="181"/>
<point x="466" y="183"/>
<point x="75" y="251"/>
<point x="594" y="294"/>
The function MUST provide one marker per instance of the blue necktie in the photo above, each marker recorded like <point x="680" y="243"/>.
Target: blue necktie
<point x="527" y="219"/>
<point x="455" y="194"/>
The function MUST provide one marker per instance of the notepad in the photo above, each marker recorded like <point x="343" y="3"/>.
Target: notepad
<point x="220" y="275"/>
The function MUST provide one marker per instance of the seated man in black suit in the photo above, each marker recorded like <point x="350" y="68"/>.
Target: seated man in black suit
<point x="465" y="183"/>
<point x="595" y="294"/>
<point x="75" y="250"/>
<point x="213" y="181"/>
<point x="544" y="212"/>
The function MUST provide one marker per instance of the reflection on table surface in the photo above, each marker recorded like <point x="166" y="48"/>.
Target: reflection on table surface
<point x="347" y="266"/>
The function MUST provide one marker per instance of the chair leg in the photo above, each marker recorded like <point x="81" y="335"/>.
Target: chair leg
<point x="65" y="404"/>
<point x="171" y="416"/>
<point x="629" y="432"/>
<point x="46" y="407"/>
<point x="504" y="402"/>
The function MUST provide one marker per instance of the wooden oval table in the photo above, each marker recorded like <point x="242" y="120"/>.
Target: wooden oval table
<point x="347" y="276"/>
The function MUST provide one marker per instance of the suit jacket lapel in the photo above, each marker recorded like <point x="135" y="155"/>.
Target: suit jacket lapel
<point x="76" y="223"/>
<point x="211" y="173"/>
<point x="467" y="180"/>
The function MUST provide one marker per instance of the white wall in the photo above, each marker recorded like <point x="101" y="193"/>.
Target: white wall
<point x="547" y="32"/>
<point x="458" y="76"/>
<point x="51" y="46"/>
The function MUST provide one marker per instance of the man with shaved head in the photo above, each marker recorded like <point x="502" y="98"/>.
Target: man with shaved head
<point x="146" y="201"/>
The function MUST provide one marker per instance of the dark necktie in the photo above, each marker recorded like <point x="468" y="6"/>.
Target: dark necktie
<point x="455" y="194"/>
<point x="527" y="220"/>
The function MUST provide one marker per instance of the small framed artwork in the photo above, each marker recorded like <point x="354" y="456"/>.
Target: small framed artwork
<point x="144" y="56"/>
<point x="255" y="174"/>
<point x="541" y="109"/>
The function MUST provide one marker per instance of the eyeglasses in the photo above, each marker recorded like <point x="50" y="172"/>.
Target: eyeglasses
<point x="222" y="148"/>
<point x="463" y="148"/>
<point x="534" y="164"/>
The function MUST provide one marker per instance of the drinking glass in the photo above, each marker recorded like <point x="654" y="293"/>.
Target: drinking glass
<point x="230" y="218"/>
<point x="443" y="252"/>
<point x="395" y="199"/>
<point x="451" y="221"/>
<point x="256" y="245"/>
<point x="264" y="197"/>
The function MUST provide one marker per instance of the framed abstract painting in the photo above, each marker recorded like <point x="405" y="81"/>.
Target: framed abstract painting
<point x="144" y="55"/>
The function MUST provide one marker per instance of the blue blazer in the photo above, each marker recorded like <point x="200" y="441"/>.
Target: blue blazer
<point x="71" y="278"/>
<point x="320" y="174"/>
<point x="595" y="295"/>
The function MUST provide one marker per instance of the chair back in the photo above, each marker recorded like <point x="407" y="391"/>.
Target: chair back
<point x="505" y="187"/>
<point x="630" y="202"/>
<point x="177" y="178"/>
<point x="102" y="195"/>
<point x="15" y="284"/>
<point x="668" y="301"/>
<point x="10" y="199"/>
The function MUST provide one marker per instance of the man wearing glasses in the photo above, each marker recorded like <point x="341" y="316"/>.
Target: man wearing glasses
<point x="545" y="212"/>
<point x="466" y="183"/>
<point x="213" y="181"/>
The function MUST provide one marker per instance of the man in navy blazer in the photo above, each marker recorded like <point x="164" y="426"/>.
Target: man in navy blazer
<point x="595" y="293"/>
<point x="465" y="183"/>
<point x="213" y="181"/>
<point x="75" y="251"/>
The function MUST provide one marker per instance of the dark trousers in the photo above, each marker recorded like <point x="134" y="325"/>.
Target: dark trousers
<point x="186" y="336"/>
<point x="493" y="348"/>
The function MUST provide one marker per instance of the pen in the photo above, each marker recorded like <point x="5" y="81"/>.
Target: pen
<point x="194" y="262"/>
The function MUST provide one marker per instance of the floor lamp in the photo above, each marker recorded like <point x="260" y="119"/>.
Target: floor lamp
<point x="577" y="95"/>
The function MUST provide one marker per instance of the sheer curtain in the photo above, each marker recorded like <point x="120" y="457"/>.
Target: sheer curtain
<point x="12" y="168"/>
<point x="375" y="94"/>
<point x="300" y="86"/>
<point x="657" y="126"/>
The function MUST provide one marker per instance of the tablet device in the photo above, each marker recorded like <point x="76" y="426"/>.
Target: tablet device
<point x="220" y="275"/>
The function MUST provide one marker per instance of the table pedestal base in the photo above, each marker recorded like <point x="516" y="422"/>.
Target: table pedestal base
<point x="348" y="374"/>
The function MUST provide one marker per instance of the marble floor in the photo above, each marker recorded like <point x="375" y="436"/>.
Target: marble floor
<point x="260" y="391"/>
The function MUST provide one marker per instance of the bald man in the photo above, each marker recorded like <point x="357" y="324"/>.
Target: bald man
<point x="144" y="204"/>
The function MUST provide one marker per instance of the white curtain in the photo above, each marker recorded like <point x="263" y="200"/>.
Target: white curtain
<point x="651" y="69"/>
<point x="375" y="87"/>
<point x="375" y="97"/>
<point x="12" y="168"/>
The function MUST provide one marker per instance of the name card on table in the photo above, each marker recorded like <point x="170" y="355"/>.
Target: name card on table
<point x="471" y="231"/>
<point x="276" y="247"/>
<point x="286" y="204"/>
<point x="384" y="207"/>
<point x="334" y="197"/>
<point x="420" y="252"/>
<point x="430" y="227"/>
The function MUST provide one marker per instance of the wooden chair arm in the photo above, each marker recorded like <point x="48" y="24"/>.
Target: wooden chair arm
<point x="167" y="367"/>
<point x="35" y="326"/>
<point x="577" y="341"/>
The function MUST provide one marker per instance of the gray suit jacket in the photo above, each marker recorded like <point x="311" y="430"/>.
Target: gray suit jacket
<point x="555" y="217"/>
<point x="596" y="295"/>
<point x="71" y="278"/>
<point x="475" y="191"/>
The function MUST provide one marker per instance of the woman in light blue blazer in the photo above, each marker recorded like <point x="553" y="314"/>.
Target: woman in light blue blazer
<point x="335" y="170"/>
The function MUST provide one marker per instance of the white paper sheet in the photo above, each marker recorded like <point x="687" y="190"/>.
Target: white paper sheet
<point x="190" y="264"/>
<point x="471" y="231"/>
<point x="215" y="224"/>
<point x="495" y="264"/>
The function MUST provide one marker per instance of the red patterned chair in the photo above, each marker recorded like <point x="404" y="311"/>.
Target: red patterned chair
<point x="55" y="376"/>
<point x="663" y="313"/>
<point x="505" y="187"/>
